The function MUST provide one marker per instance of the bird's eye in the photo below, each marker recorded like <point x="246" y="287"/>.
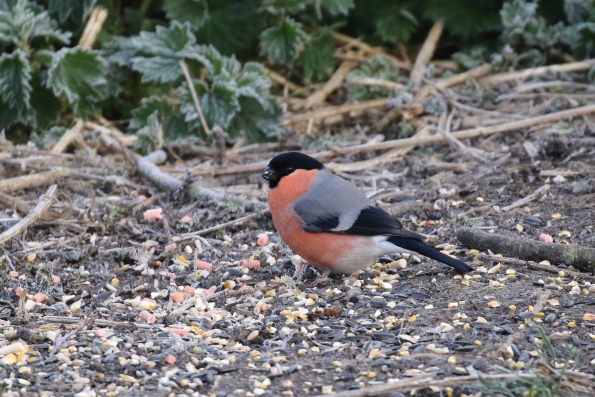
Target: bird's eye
<point x="289" y="169"/>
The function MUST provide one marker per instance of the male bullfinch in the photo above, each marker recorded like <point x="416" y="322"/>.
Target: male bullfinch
<point x="331" y="223"/>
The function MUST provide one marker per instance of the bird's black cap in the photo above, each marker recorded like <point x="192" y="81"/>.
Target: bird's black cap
<point x="284" y="164"/>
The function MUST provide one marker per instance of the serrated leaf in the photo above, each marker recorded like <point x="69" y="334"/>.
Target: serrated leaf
<point x="466" y="18"/>
<point x="76" y="10"/>
<point x="578" y="11"/>
<point x="396" y="25"/>
<point x="120" y="50"/>
<point x="255" y="122"/>
<point x="44" y="104"/>
<point x="283" y="7"/>
<point x="219" y="67"/>
<point x="195" y="12"/>
<point x="335" y="7"/>
<point x="26" y="21"/>
<point x="232" y="27"/>
<point x="79" y="74"/>
<point x="282" y="43"/>
<point x="254" y="85"/>
<point x="157" y="53"/>
<point x="219" y="104"/>
<point x="318" y="57"/>
<point x="153" y="104"/>
<point x="15" y="85"/>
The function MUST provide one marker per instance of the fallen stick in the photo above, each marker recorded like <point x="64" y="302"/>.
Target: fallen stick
<point x="347" y="40"/>
<point x="34" y="180"/>
<point x="527" y="249"/>
<point x="426" y="53"/>
<point x="331" y="85"/>
<point x="410" y="142"/>
<point x="69" y="136"/>
<point x="521" y="74"/>
<point x="424" y="382"/>
<point x="334" y="111"/>
<point x="189" y="236"/>
<point x="533" y="196"/>
<point x="530" y="264"/>
<point x="147" y="166"/>
<point x="277" y="78"/>
<point x="44" y="204"/>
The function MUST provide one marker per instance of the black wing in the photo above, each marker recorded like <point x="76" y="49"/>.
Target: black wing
<point x="371" y="221"/>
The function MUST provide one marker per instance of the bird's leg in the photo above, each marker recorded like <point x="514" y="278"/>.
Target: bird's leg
<point x="318" y="279"/>
<point x="299" y="271"/>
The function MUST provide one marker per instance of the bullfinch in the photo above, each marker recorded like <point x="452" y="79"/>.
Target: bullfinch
<point x="331" y="224"/>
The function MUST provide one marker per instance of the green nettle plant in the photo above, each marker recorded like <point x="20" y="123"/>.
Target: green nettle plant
<point x="231" y="96"/>
<point x="36" y="80"/>
<point x="135" y="73"/>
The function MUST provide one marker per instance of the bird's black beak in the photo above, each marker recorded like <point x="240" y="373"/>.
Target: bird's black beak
<point x="266" y="174"/>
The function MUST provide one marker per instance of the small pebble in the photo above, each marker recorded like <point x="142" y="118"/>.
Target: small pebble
<point x="581" y="187"/>
<point x="170" y="246"/>
<point x="185" y="219"/>
<point x="179" y="331"/>
<point x="202" y="265"/>
<point x="171" y="360"/>
<point x="148" y="317"/>
<point x="19" y="291"/>
<point x="56" y="279"/>
<point x="177" y="297"/>
<point x="39" y="297"/>
<point x="546" y="238"/>
<point x="189" y="290"/>
<point x="262" y="240"/>
<point x="154" y="214"/>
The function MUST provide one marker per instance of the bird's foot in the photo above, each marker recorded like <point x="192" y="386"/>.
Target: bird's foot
<point x="299" y="271"/>
<point x="322" y="278"/>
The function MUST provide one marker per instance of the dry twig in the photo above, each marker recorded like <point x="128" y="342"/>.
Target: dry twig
<point x="533" y="196"/>
<point x="533" y="72"/>
<point x="44" y="204"/>
<point x="192" y="89"/>
<point x="69" y="136"/>
<point x="34" y="180"/>
<point x="331" y="85"/>
<point x="523" y="248"/>
<point x="426" y="53"/>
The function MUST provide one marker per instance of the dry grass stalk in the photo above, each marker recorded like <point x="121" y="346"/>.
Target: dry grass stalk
<point x="426" y="53"/>
<point x="44" y="204"/>
<point x="523" y="74"/>
<point x="203" y="121"/>
<point x="34" y="180"/>
<point x="93" y="27"/>
<point x="331" y="85"/>
<point x="70" y="135"/>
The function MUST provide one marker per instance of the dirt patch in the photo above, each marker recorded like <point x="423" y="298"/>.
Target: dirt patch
<point x="240" y="331"/>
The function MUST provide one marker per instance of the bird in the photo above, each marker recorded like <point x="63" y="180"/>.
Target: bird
<point x="331" y="223"/>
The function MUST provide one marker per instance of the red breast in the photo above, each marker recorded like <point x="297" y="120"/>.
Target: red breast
<point x="320" y="249"/>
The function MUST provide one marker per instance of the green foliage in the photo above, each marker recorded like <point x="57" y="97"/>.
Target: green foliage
<point x="379" y="67"/>
<point x="25" y="21"/>
<point x="317" y="58"/>
<point x="282" y="43"/>
<point x="15" y="86"/>
<point x="34" y="75"/>
<point x="79" y="74"/>
<point x="135" y="71"/>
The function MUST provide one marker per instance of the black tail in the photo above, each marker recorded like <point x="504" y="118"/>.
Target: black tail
<point x="419" y="247"/>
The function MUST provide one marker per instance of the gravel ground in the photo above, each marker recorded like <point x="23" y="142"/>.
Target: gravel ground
<point x="103" y="304"/>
